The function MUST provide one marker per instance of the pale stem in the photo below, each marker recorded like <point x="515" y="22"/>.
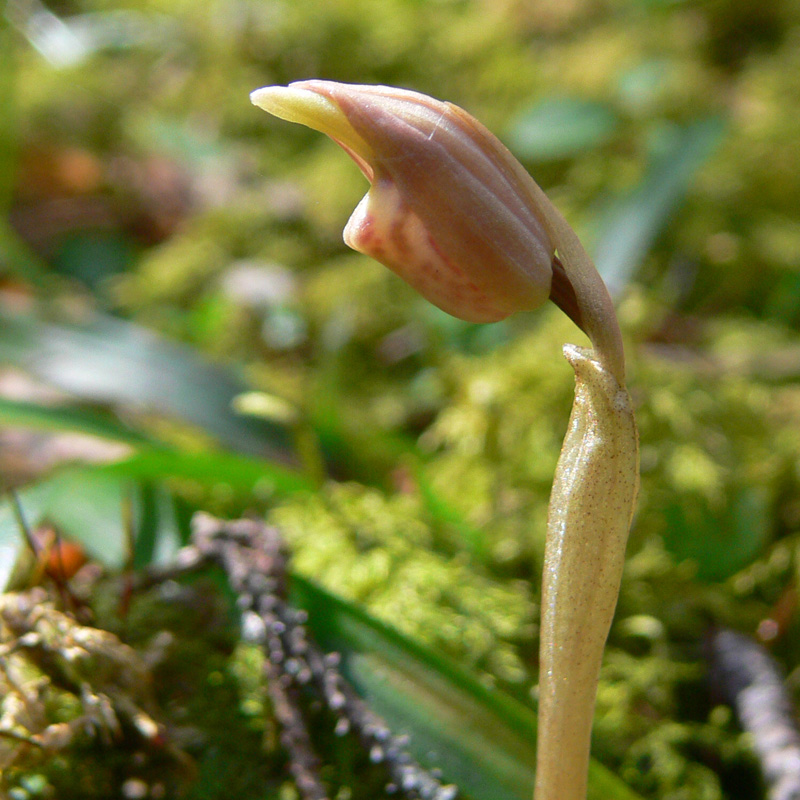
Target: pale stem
<point x="599" y="320"/>
<point x="591" y="505"/>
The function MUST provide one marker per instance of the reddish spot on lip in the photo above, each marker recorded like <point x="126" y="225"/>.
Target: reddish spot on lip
<point x="398" y="236"/>
<point x="367" y="233"/>
<point x="385" y="228"/>
<point x="451" y="266"/>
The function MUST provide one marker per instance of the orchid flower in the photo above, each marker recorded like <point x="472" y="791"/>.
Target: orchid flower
<point x="451" y="211"/>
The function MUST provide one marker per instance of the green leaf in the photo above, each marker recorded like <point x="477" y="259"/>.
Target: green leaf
<point x="154" y="461"/>
<point x="211" y="469"/>
<point x="631" y="225"/>
<point x="65" y="418"/>
<point x="92" y="256"/>
<point x="560" y="127"/>
<point x="84" y="505"/>
<point x="108" y="360"/>
<point x="88" y="503"/>
<point x="482" y="739"/>
<point x="94" y="507"/>
<point x="720" y="543"/>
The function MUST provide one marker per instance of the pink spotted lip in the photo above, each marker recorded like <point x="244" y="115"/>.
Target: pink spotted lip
<point x="385" y="228"/>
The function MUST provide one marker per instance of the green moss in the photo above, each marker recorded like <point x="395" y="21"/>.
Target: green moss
<point x="379" y="551"/>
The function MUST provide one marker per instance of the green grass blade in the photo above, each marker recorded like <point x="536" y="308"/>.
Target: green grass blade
<point x="560" y="127"/>
<point x="109" y="360"/>
<point x="483" y="739"/>
<point x="152" y="461"/>
<point x="15" y="413"/>
<point x="632" y="224"/>
<point x="211" y="469"/>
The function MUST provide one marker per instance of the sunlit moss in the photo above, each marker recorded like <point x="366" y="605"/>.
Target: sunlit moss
<point x="380" y="551"/>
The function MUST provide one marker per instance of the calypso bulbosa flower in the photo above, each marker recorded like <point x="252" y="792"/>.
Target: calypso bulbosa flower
<point x="450" y="209"/>
<point x="454" y="213"/>
<point x="447" y="209"/>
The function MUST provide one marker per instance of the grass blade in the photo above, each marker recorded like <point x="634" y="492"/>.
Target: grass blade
<point x="633" y="223"/>
<point x="109" y="360"/>
<point x="483" y="739"/>
<point x="21" y="414"/>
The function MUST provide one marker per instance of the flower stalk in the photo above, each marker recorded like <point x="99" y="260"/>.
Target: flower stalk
<point x="591" y="505"/>
<point x="452" y="212"/>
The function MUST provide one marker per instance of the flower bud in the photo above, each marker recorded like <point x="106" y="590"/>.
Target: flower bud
<point x="450" y="209"/>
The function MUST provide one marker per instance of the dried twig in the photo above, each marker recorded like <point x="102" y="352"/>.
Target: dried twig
<point x="750" y="680"/>
<point x="253" y="557"/>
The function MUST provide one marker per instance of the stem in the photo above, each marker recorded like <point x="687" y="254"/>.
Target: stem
<point x="591" y="506"/>
<point x="595" y="313"/>
<point x="562" y="293"/>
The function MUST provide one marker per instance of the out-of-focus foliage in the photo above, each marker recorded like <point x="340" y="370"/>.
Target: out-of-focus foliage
<point x="408" y="456"/>
<point x="714" y="470"/>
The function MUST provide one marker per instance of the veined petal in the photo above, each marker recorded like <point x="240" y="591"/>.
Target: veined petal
<point x="466" y="231"/>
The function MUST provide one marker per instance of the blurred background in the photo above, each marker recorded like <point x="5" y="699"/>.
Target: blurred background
<point x="181" y="326"/>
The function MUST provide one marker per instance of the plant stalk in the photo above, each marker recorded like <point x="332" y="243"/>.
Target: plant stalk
<point x="591" y="506"/>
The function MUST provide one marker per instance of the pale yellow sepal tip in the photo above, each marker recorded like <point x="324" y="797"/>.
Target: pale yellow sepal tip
<point x="294" y="103"/>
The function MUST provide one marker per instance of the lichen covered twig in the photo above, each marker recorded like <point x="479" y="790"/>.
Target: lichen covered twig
<point x="252" y="555"/>
<point x="751" y="681"/>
